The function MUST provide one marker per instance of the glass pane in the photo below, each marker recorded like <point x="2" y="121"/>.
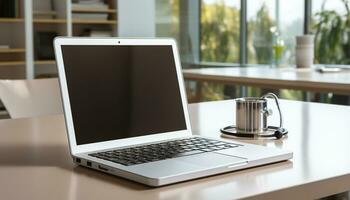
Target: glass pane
<point x="272" y="30"/>
<point x="291" y="24"/>
<point x="330" y="24"/>
<point x="220" y="31"/>
<point x="261" y="18"/>
<point x="179" y="19"/>
<point x="167" y="18"/>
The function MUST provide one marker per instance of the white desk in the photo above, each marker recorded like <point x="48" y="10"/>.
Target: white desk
<point x="275" y="78"/>
<point x="35" y="163"/>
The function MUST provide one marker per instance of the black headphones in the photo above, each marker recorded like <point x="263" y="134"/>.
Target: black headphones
<point x="278" y="132"/>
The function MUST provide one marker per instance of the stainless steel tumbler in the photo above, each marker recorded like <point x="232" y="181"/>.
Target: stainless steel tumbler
<point x="252" y="113"/>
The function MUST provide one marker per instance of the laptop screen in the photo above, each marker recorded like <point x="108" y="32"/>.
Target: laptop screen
<point x="122" y="91"/>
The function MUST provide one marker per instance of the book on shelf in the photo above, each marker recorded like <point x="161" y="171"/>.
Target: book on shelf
<point x="95" y="32"/>
<point x="4" y="46"/>
<point x="43" y="10"/>
<point x="89" y="4"/>
<point x="42" y="5"/>
<point x="8" y="8"/>
<point x="100" y="33"/>
<point x="43" y="47"/>
<point x="46" y="75"/>
<point x="90" y="16"/>
<point x="50" y="14"/>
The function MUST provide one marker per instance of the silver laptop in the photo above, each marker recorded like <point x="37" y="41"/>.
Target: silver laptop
<point x="126" y="114"/>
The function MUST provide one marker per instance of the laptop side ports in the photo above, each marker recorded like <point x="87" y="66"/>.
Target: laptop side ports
<point x="102" y="168"/>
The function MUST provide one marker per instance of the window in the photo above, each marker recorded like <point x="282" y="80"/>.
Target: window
<point x="167" y="18"/>
<point x="220" y="31"/>
<point x="261" y="20"/>
<point x="291" y="24"/>
<point x="330" y="24"/>
<point x="209" y="33"/>
<point x="179" y="19"/>
<point x="209" y="30"/>
<point x="272" y="30"/>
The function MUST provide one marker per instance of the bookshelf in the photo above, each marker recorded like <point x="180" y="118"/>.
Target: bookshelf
<point x="12" y="40"/>
<point x="26" y="36"/>
<point x="94" y="20"/>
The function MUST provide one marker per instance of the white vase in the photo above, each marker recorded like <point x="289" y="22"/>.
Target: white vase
<point x="304" y="51"/>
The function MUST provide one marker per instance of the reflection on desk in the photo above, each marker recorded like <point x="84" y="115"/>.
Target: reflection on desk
<point x="275" y="78"/>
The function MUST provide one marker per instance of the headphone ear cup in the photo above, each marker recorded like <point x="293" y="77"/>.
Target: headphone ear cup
<point x="278" y="134"/>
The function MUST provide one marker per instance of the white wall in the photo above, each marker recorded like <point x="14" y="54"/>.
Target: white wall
<point x="136" y="18"/>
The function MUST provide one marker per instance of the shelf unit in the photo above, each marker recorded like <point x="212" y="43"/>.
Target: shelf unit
<point x="12" y="43"/>
<point x="82" y="26"/>
<point x="35" y="18"/>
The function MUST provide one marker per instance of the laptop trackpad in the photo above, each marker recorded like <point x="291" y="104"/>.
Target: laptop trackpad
<point x="186" y="164"/>
<point x="211" y="160"/>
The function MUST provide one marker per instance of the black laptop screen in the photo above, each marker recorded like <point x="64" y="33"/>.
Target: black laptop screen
<point x="122" y="91"/>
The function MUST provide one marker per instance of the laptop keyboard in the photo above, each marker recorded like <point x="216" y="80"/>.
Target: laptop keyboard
<point x="161" y="151"/>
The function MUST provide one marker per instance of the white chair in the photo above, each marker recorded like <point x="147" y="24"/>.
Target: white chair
<point x="31" y="98"/>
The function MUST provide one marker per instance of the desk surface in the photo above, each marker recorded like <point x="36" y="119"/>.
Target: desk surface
<point x="280" y="78"/>
<point x="35" y="163"/>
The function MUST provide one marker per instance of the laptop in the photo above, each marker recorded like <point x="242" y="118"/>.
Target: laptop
<point x="126" y="114"/>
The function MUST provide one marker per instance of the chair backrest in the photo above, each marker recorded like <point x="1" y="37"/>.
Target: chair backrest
<point x="31" y="98"/>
